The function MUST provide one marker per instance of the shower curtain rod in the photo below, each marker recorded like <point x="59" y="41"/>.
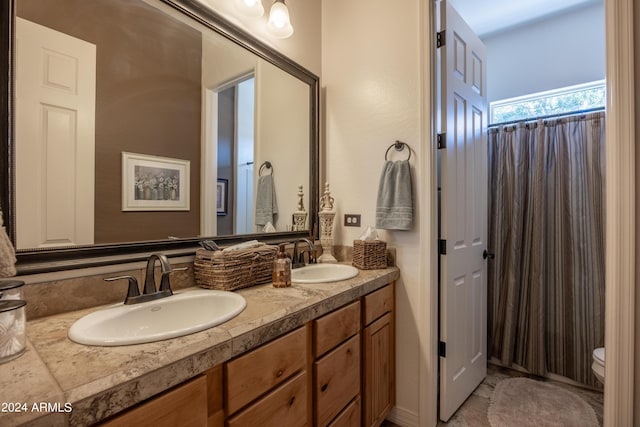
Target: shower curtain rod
<point x="550" y="116"/>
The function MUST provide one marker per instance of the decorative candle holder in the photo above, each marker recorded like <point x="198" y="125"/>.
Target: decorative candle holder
<point x="326" y="216"/>
<point x="300" y="215"/>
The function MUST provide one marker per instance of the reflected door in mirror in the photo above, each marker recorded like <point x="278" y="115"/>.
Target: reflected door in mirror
<point x="55" y="137"/>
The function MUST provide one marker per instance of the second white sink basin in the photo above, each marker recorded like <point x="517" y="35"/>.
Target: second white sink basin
<point x="170" y="317"/>
<point x="321" y="273"/>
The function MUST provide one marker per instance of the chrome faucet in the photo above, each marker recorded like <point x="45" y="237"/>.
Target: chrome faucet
<point x="298" y="257"/>
<point x="150" y="291"/>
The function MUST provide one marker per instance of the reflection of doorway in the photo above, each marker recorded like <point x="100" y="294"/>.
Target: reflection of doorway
<point x="55" y="138"/>
<point x="235" y="148"/>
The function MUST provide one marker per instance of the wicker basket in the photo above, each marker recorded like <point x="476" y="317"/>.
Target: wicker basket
<point x="227" y="271"/>
<point x="369" y="255"/>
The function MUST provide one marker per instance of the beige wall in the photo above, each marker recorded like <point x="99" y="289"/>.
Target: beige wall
<point x="372" y="96"/>
<point x="282" y="138"/>
<point x="303" y="46"/>
<point x="282" y="119"/>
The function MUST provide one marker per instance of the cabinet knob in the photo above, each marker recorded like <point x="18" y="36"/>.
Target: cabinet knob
<point x="324" y="387"/>
<point x="293" y="399"/>
<point x="279" y="373"/>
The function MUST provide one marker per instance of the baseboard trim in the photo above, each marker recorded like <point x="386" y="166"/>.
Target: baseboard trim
<point x="403" y="417"/>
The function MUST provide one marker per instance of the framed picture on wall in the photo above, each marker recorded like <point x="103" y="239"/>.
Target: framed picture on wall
<point x="153" y="183"/>
<point x="222" y="199"/>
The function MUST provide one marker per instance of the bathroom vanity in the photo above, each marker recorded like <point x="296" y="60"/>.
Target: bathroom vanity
<point x="312" y="354"/>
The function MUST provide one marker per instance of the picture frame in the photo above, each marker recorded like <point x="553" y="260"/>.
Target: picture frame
<point x="222" y="197"/>
<point x="154" y="183"/>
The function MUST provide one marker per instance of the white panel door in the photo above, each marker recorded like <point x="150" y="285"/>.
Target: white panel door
<point x="55" y="138"/>
<point x="464" y="186"/>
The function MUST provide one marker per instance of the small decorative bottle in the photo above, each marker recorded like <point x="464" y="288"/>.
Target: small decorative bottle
<point x="281" y="276"/>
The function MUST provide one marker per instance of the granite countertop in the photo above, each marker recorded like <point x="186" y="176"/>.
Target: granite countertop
<point x="56" y="375"/>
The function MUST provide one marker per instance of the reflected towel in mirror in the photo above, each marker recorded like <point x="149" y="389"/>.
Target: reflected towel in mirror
<point x="266" y="205"/>
<point x="7" y="253"/>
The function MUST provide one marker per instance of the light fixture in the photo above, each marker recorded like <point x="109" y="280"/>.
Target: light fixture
<point x="279" y="23"/>
<point x="250" y="7"/>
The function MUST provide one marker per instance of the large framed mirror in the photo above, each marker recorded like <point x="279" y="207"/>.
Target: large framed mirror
<point x="134" y="126"/>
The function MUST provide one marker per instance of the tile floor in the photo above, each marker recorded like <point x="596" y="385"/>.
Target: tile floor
<point x="473" y="413"/>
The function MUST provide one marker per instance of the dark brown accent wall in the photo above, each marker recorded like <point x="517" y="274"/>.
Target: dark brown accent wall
<point x="148" y="101"/>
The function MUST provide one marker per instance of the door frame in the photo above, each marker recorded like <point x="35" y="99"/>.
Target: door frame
<point x="620" y="218"/>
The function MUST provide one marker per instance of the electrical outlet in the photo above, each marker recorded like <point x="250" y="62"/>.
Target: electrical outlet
<point x="352" y="220"/>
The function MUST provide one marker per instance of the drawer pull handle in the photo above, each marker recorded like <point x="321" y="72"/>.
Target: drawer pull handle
<point x="279" y="373"/>
<point x="324" y="387"/>
<point x="293" y="399"/>
<point x="348" y="351"/>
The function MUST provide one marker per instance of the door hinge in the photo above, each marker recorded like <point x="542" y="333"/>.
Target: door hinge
<point x="442" y="349"/>
<point x="440" y="39"/>
<point x="442" y="140"/>
<point x="442" y="247"/>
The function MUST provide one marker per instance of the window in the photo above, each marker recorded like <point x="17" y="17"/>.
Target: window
<point x="565" y="100"/>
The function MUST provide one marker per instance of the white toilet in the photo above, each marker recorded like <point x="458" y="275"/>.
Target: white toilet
<point x="598" y="364"/>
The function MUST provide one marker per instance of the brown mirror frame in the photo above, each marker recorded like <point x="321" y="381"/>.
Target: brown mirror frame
<point x="49" y="260"/>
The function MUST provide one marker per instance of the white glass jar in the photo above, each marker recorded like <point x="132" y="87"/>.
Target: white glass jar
<point x="12" y="329"/>
<point x="11" y="289"/>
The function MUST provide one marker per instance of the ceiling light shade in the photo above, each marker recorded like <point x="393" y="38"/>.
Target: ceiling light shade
<point x="250" y="7"/>
<point x="279" y="22"/>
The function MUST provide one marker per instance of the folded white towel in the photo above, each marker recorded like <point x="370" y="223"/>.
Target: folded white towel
<point x="394" y="210"/>
<point x="266" y="205"/>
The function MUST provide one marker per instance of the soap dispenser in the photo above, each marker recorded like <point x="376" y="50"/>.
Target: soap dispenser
<point x="281" y="276"/>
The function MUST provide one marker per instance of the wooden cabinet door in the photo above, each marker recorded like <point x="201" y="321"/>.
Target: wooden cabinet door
<point x="185" y="405"/>
<point x="258" y="371"/>
<point x="378" y="303"/>
<point x="332" y="329"/>
<point x="336" y="380"/>
<point x="286" y="406"/>
<point x="379" y="370"/>
<point x="350" y="417"/>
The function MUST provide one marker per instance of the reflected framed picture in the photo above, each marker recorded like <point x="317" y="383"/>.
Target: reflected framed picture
<point x="221" y="197"/>
<point x="154" y="183"/>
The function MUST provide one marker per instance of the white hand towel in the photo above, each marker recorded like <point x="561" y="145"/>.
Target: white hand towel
<point x="394" y="209"/>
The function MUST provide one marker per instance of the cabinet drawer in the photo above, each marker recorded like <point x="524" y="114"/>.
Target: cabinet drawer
<point x="256" y="372"/>
<point x="285" y="406"/>
<point x="350" y="417"/>
<point x="185" y="405"/>
<point x="378" y="303"/>
<point x="337" y="380"/>
<point x="335" y="327"/>
<point x="379" y="370"/>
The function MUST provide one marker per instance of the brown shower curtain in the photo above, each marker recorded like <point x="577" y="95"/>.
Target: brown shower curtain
<point x="546" y="227"/>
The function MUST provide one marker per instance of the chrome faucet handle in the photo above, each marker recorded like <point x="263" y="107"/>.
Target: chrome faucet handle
<point x="133" y="290"/>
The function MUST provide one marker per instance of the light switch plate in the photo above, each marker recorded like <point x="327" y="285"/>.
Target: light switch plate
<point x="352" y="220"/>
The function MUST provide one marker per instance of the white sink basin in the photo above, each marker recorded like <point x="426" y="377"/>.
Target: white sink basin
<point x="322" y="273"/>
<point x="170" y="317"/>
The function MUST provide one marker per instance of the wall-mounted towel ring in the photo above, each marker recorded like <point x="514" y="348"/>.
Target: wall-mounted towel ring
<point x="399" y="146"/>
<point x="265" y="165"/>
